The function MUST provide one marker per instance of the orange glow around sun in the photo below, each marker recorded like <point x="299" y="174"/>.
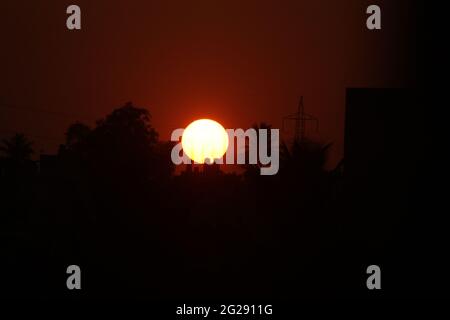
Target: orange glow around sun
<point x="204" y="139"/>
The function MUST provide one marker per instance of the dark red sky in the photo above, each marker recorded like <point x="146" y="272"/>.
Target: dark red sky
<point x="237" y="62"/>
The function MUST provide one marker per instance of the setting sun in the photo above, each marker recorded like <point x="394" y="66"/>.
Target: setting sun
<point x="204" y="139"/>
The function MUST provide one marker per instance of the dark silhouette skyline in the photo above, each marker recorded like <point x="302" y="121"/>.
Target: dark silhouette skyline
<point x="230" y="61"/>
<point x="110" y="200"/>
<point x="86" y="177"/>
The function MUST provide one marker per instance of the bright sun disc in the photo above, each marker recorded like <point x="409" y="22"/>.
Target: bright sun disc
<point x="204" y="139"/>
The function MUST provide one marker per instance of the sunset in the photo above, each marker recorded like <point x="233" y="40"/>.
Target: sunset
<point x="218" y="157"/>
<point x="204" y="140"/>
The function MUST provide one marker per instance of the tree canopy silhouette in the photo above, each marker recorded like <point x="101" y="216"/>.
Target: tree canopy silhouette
<point x="77" y="133"/>
<point x="18" y="148"/>
<point x="303" y="158"/>
<point x="123" y="145"/>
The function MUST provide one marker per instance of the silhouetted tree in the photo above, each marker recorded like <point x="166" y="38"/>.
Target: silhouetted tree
<point x="77" y="133"/>
<point x="19" y="170"/>
<point x="304" y="158"/>
<point x="123" y="144"/>
<point x="122" y="149"/>
<point x="253" y="170"/>
<point x="18" y="148"/>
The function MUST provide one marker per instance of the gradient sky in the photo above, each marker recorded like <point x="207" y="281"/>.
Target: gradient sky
<point x="237" y="62"/>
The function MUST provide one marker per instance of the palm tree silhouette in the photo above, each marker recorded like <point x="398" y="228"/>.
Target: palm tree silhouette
<point x="303" y="157"/>
<point x="253" y="170"/>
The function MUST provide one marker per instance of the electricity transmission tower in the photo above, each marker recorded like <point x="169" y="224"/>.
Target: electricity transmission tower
<point x="300" y="118"/>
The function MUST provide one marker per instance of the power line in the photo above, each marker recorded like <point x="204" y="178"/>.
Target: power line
<point x="39" y="110"/>
<point x="31" y="135"/>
